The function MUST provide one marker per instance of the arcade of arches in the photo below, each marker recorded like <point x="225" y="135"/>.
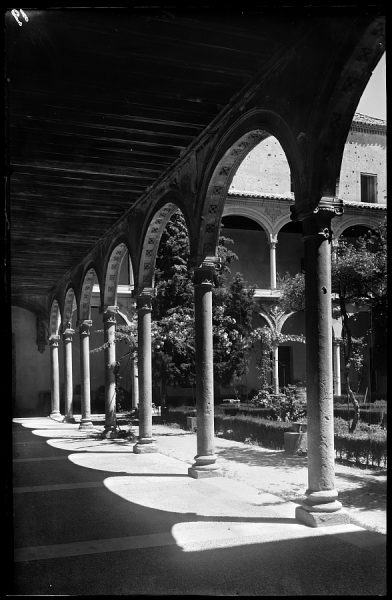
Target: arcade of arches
<point x="292" y="224"/>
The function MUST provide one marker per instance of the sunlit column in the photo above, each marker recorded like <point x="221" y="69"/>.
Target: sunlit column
<point x="204" y="465"/>
<point x="272" y="246"/>
<point x="55" y="380"/>
<point x="275" y="369"/>
<point x="336" y="367"/>
<point x="109" y="327"/>
<point x="135" y="383"/>
<point x="84" y="334"/>
<point x="68" y="381"/>
<point x="321" y="496"/>
<point x="145" y="441"/>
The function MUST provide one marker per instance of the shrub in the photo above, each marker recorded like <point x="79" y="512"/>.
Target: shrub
<point x="262" y="431"/>
<point x="287" y="406"/>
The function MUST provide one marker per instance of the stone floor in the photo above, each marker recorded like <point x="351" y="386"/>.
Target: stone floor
<point x="93" y="518"/>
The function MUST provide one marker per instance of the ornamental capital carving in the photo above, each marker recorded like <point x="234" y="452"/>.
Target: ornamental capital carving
<point x="144" y="300"/>
<point x="68" y="334"/>
<point x="205" y="274"/>
<point x="328" y="207"/>
<point x="109" y="314"/>
<point x="54" y="341"/>
<point x="84" y="327"/>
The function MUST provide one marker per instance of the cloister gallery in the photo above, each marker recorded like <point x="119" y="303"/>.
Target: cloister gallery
<point x="134" y="116"/>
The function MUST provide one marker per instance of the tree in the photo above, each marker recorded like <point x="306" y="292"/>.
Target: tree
<point x="359" y="275"/>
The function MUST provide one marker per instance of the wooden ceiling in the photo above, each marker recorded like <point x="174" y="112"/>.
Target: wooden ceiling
<point x="100" y="103"/>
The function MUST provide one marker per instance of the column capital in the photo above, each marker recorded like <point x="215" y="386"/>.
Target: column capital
<point x="317" y="221"/>
<point x="273" y="240"/>
<point x="84" y="327"/>
<point x="337" y="341"/>
<point x="68" y="334"/>
<point x="54" y="341"/>
<point x="205" y="274"/>
<point x="109" y="314"/>
<point x="144" y="300"/>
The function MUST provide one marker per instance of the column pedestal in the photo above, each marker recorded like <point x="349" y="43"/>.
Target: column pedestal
<point x="55" y="379"/>
<point x="145" y="443"/>
<point x="320" y="506"/>
<point x="68" y="383"/>
<point x="84" y="333"/>
<point x="205" y="459"/>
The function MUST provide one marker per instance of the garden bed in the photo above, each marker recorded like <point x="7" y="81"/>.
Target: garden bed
<point x="366" y="446"/>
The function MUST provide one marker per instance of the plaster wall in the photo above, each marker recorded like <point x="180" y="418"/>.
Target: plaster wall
<point x="265" y="169"/>
<point x="252" y="250"/>
<point x="363" y="153"/>
<point x="31" y="369"/>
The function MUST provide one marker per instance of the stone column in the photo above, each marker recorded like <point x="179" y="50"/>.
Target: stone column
<point x="68" y="382"/>
<point x="334" y="250"/>
<point x="135" y="383"/>
<point x="204" y="465"/>
<point x="55" y="379"/>
<point x="272" y="246"/>
<point x="109" y="327"/>
<point x="337" y="388"/>
<point x="84" y="333"/>
<point x="275" y="369"/>
<point x="145" y="441"/>
<point x="321" y="506"/>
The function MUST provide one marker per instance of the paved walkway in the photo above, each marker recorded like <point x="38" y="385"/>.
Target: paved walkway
<point x="93" y="518"/>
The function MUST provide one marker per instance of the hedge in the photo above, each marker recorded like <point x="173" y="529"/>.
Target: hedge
<point x="367" y="445"/>
<point x="243" y="428"/>
<point x="368" y="415"/>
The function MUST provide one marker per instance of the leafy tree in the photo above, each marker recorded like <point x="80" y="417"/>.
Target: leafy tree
<point x="359" y="275"/>
<point x="174" y="359"/>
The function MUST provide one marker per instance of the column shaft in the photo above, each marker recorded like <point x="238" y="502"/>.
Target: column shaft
<point x="135" y="383"/>
<point x="145" y="441"/>
<point x="336" y="368"/>
<point x="205" y="458"/>
<point x="273" y="264"/>
<point x="68" y="380"/>
<point x="84" y="332"/>
<point x="110" y="367"/>
<point x="55" y="378"/>
<point x="318" y="327"/>
<point x="275" y="369"/>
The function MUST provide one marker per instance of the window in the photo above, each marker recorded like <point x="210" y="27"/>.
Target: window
<point x="368" y="188"/>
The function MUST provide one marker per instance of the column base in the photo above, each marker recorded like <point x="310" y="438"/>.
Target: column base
<point x="86" y="424"/>
<point x="145" y="446"/>
<point x="69" y="420"/>
<point x="204" y="466"/>
<point x="200" y="471"/>
<point x="56" y="415"/>
<point x="110" y="432"/>
<point x="314" y="517"/>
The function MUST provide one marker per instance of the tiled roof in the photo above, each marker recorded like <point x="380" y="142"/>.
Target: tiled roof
<point x="365" y="205"/>
<point x="361" y="119"/>
<point x="245" y="194"/>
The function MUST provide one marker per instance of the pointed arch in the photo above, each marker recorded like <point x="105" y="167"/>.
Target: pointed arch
<point x="112" y="272"/>
<point x="54" y="318"/>
<point x="248" y="131"/>
<point x="151" y="241"/>
<point x="89" y="279"/>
